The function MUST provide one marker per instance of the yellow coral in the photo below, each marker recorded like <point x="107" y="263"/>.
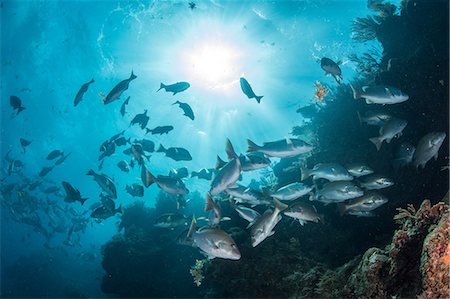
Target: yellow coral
<point x="197" y="271"/>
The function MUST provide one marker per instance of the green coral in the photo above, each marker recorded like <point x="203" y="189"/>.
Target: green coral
<point x="197" y="271"/>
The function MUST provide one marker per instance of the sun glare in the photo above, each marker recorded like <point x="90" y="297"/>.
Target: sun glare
<point x="214" y="64"/>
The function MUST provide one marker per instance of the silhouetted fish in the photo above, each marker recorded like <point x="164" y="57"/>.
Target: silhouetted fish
<point x="175" y="88"/>
<point x="141" y="119"/>
<point x="122" y="108"/>
<point x="24" y="143"/>
<point x="54" y="154"/>
<point x="81" y="92"/>
<point x="332" y="68"/>
<point x="248" y="91"/>
<point x="16" y="104"/>
<point x="160" y="130"/>
<point x="115" y="93"/>
<point x="186" y="109"/>
<point x="175" y="153"/>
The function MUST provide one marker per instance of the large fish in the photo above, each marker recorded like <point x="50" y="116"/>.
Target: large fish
<point x="166" y="183"/>
<point x="292" y="191"/>
<point x="16" y="104"/>
<point x="179" y="173"/>
<point x="329" y="171"/>
<point x="81" y="92"/>
<point x="117" y="91"/>
<point x="332" y="68"/>
<point x="264" y="225"/>
<point x="248" y="91"/>
<point x="393" y="128"/>
<point x="214" y="242"/>
<point x="339" y="191"/>
<point x="358" y="169"/>
<point x="106" y="211"/>
<point x="427" y="148"/>
<point x="175" y="153"/>
<point x="366" y="203"/>
<point x="247" y="195"/>
<point x="380" y="94"/>
<point x="104" y="182"/>
<point x="226" y="177"/>
<point x="186" y="109"/>
<point x="72" y="194"/>
<point x="174" y="88"/>
<point x="375" y="182"/>
<point x="141" y="119"/>
<point x="281" y="148"/>
<point x="303" y="212"/>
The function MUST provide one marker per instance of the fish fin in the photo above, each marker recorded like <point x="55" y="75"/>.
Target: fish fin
<point x="388" y="140"/>
<point x="231" y="153"/>
<point x="322" y="218"/>
<point x="305" y="173"/>
<point x="161" y="149"/>
<point x="252" y="147"/>
<point x="258" y="98"/>
<point x="90" y="172"/>
<point x="132" y="76"/>
<point x="337" y="78"/>
<point x="271" y="233"/>
<point x="302" y="222"/>
<point x="146" y="176"/>
<point x="83" y="200"/>
<point x="356" y="93"/>
<point x="192" y="228"/>
<point x="279" y="205"/>
<point x="377" y="141"/>
<point x="161" y="86"/>
<point x="250" y="224"/>
<point x="219" y="163"/>
<point x="342" y="208"/>
<point x="209" y="204"/>
<point x="20" y="109"/>
<point x="369" y="101"/>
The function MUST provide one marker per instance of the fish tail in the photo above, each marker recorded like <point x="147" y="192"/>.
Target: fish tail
<point x="192" y="228"/>
<point x="252" y="147"/>
<point x="147" y="177"/>
<point x="147" y="130"/>
<point x="132" y="76"/>
<point x="90" y="172"/>
<point x="161" y="149"/>
<point x="129" y="140"/>
<point x="258" y="98"/>
<point x="377" y="141"/>
<point x="231" y="153"/>
<point x="219" y="163"/>
<point x="161" y="86"/>
<point x="209" y="205"/>
<point x="83" y="200"/>
<point x="92" y="81"/>
<point x="279" y="206"/>
<point x="194" y="173"/>
<point x="342" y="208"/>
<point x="178" y="102"/>
<point x="356" y="94"/>
<point x="305" y="173"/>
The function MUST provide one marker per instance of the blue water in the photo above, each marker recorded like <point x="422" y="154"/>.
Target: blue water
<point x="50" y="48"/>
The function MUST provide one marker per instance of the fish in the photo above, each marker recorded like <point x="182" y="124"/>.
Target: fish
<point x="329" y="171"/>
<point x="108" y="150"/>
<point x="135" y="190"/>
<point x="393" y="128"/>
<point x="358" y="169"/>
<point x="124" y="104"/>
<point x="427" y="148"/>
<point x="380" y="94"/>
<point x="24" y="143"/>
<point x="292" y="191"/>
<point x="113" y="138"/>
<point x="366" y="203"/>
<point x="375" y="182"/>
<point x="147" y="145"/>
<point x="216" y="213"/>
<point x="62" y="159"/>
<point x="174" y="88"/>
<point x="179" y="173"/>
<point x="248" y="91"/>
<point x="186" y="109"/>
<point x="284" y="148"/>
<point x="204" y="173"/>
<point x="54" y="154"/>
<point x="339" y="191"/>
<point x="141" y="119"/>
<point x="16" y="103"/>
<point x="34" y="185"/>
<point x="171" y="220"/>
<point x="247" y="195"/>
<point x="81" y="92"/>
<point x="249" y="162"/>
<point x="361" y="213"/>
<point x="304" y="213"/>
<point x="45" y="170"/>
<point x="123" y="165"/>
<point x="137" y="152"/>
<point x="245" y="213"/>
<point x="175" y="153"/>
<point x="72" y="194"/>
<point x="214" y="242"/>
<point x="104" y="182"/>
<point x="104" y="212"/>
<point x="264" y="225"/>
<point x="117" y="91"/>
<point x="226" y="177"/>
<point x="332" y="68"/>
<point x="159" y="130"/>
<point x="166" y="183"/>
<point x="404" y="155"/>
<point x="374" y="118"/>
<point x="121" y="141"/>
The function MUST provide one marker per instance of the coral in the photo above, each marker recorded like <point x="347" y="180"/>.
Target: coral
<point x="197" y="271"/>
<point x="320" y="92"/>
<point x="364" y="29"/>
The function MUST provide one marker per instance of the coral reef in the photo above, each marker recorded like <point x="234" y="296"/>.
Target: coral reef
<point x="197" y="271"/>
